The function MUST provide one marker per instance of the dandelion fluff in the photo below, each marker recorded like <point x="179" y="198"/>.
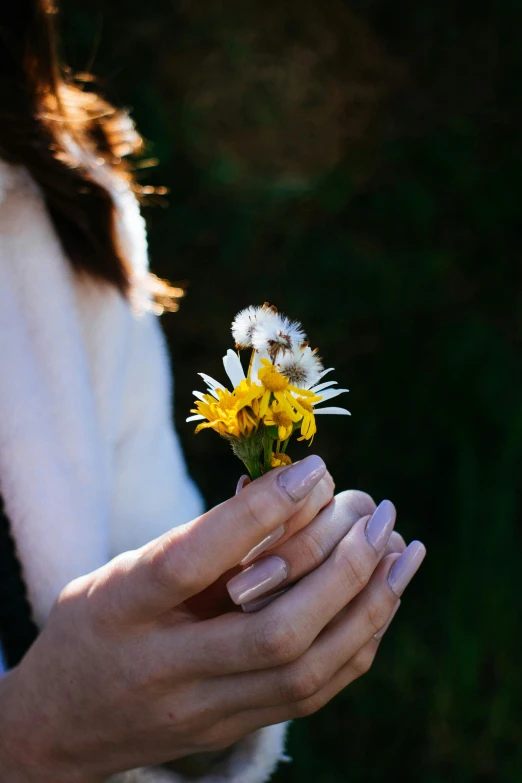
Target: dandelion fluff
<point x="301" y="366"/>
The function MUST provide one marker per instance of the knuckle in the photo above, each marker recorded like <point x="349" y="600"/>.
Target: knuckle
<point x="307" y="707"/>
<point x="356" y="569"/>
<point x="362" y="662"/>
<point x="302" y="682"/>
<point x="360" y="503"/>
<point x="311" y="550"/>
<point x="173" y="567"/>
<point x="276" y="643"/>
<point x="376" y="617"/>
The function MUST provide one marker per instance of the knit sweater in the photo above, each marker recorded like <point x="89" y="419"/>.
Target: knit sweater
<point x="90" y="465"/>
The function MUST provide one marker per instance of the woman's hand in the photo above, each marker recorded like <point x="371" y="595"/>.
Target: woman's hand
<point x="123" y="674"/>
<point x="302" y="550"/>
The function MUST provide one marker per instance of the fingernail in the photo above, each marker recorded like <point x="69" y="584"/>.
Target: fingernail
<point x="267" y="542"/>
<point x="379" y="527"/>
<point x="243" y="482"/>
<point x="378" y="636"/>
<point x="257" y="579"/>
<point x="405" y="568"/>
<point x="299" y="479"/>
<point x="260" y="603"/>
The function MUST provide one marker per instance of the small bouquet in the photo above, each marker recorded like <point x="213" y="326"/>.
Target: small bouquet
<point x="275" y="398"/>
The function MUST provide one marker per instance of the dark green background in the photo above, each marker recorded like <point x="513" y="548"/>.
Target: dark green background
<point x="360" y="166"/>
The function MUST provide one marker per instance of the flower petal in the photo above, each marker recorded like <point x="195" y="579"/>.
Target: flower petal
<point x="323" y="373"/>
<point x="198" y="417"/>
<point x="199" y="395"/>
<point x="322" y="386"/>
<point x="233" y="368"/>
<point x="333" y="411"/>
<point x="256" y="366"/>
<point x="211" y="383"/>
<point x="330" y="393"/>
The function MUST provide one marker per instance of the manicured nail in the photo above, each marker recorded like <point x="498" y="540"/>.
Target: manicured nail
<point x="243" y="482"/>
<point x="257" y="579"/>
<point x="405" y="568"/>
<point x="260" y="603"/>
<point x="378" y="636"/>
<point x="267" y="542"/>
<point x="379" y="527"/>
<point x="299" y="479"/>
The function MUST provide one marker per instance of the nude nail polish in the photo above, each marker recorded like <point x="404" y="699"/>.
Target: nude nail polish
<point x="405" y="568"/>
<point x="380" y="525"/>
<point x="257" y="579"/>
<point x="266" y="543"/>
<point x="299" y="479"/>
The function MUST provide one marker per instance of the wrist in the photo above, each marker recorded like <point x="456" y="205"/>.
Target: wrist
<point x="27" y="751"/>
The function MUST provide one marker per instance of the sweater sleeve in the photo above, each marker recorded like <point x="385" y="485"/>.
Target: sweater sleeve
<point x="153" y="493"/>
<point x="252" y="760"/>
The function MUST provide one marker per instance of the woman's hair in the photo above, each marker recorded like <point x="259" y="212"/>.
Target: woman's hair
<point x="44" y="117"/>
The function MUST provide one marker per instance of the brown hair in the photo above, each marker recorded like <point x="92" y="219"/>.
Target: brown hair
<point x="42" y="110"/>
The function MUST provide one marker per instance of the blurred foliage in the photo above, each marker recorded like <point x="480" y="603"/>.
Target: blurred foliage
<point x="360" y="166"/>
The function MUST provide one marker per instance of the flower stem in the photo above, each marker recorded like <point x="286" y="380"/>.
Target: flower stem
<point x="284" y="445"/>
<point x="267" y="446"/>
<point x="254" y="468"/>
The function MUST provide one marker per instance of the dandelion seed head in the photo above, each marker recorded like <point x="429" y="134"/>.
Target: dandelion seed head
<point x="302" y="366"/>
<point x="243" y="326"/>
<point x="249" y="320"/>
<point x="277" y="335"/>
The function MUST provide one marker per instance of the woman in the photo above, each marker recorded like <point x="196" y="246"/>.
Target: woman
<point x="124" y="681"/>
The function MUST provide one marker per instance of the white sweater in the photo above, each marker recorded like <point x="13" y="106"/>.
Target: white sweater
<point x="90" y="465"/>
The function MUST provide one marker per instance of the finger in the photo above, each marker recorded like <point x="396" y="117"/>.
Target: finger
<point x="190" y="557"/>
<point x="282" y="631"/>
<point x="241" y="724"/>
<point x="318" y="498"/>
<point x="396" y="543"/>
<point x="343" y="652"/>
<point x="340" y="642"/>
<point x="305" y="551"/>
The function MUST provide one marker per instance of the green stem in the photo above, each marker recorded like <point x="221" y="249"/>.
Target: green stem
<point x="284" y="445"/>
<point x="267" y="446"/>
<point x="254" y="468"/>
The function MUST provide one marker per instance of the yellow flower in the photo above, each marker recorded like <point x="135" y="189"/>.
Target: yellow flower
<point x="229" y="413"/>
<point x="276" y="460"/>
<point x="277" y="416"/>
<point x="308" y="425"/>
<point x="276" y="384"/>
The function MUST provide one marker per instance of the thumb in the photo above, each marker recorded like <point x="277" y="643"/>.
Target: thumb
<point x="191" y="557"/>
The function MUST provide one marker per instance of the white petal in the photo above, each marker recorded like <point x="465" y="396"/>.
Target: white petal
<point x="330" y="394"/>
<point x="211" y="383"/>
<point x="322" y="386"/>
<point x="323" y="373"/>
<point x="199" y="395"/>
<point x="334" y="411"/>
<point x="195" y="418"/>
<point x="233" y="368"/>
<point x="256" y="366"/>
